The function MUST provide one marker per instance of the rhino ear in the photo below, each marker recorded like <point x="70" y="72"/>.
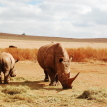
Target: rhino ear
<point x="61" y="59"/>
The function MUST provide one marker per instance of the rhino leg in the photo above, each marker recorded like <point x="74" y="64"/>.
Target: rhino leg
<point x="0" y="78"/>
<point x="55" y="82"/>
<point x="46" y="77"/>
<point x="53" y="77"/>
<point x="6" y="77"/>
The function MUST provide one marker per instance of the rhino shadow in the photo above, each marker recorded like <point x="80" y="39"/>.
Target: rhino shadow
<point x="37" y="85"/>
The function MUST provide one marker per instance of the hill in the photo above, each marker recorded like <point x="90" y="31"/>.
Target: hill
<point x="27" y="41"/>
<point x="45" y="38"/>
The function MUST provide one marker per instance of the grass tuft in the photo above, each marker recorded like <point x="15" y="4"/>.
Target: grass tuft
<point x="25" y="97"/>
<point x="11" y="90"/>
<point x="18" y="79"/>
<point x="99" y="95"/>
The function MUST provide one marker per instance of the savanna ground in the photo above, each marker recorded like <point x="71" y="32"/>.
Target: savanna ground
<point x="29" y="90"/>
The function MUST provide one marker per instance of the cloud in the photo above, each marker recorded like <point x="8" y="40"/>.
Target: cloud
<point x="98" y="16"/>
<point x="62" y="18"/>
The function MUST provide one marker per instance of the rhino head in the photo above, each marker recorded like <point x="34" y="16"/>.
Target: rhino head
<point x="64" y="76"/>
<point x="13" y="72"/>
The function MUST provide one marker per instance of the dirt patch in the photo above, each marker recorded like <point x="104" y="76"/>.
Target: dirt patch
<point x="30" y="74"/>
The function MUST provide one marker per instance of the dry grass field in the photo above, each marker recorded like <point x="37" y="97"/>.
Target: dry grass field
<point x="32" y="42"/>
<point x="28" y="88"/>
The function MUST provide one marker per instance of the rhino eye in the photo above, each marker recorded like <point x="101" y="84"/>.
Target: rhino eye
<point x="60" y="60"/>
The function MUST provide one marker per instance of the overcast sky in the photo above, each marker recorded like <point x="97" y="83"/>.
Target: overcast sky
<point x="55" y="18"/>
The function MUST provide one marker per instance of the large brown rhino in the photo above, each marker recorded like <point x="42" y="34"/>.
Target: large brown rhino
<point x="55" y="61"/>
<point x="7" y="64"/>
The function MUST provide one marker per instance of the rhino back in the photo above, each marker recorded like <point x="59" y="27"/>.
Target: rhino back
<point x="46" y="56"/>
<point x="12" y="60"/>
<point x="61" y="52"/>
<point x="6" y="61"/>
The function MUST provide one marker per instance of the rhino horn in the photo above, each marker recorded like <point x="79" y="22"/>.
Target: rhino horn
<point x="70" y="80"/>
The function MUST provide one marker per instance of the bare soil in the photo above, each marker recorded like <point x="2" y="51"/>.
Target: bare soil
<point x="92" y="75"/>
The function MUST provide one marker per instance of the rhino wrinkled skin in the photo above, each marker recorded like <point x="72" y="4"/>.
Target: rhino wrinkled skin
<point x="7" y="64"/>
<point x="54" y="59"/>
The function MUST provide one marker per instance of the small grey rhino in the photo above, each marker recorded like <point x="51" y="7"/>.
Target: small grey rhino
<point x="7" y="63"/>
<point x="54" y="59"/>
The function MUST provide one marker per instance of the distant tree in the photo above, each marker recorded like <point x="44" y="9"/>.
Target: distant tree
<point x="23" y="33"/>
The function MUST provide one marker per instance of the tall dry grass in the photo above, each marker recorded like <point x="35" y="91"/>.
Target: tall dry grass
<point x="87" y="54"/>
<point x="21" y="54"/>
<point x="78" y="54"/>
